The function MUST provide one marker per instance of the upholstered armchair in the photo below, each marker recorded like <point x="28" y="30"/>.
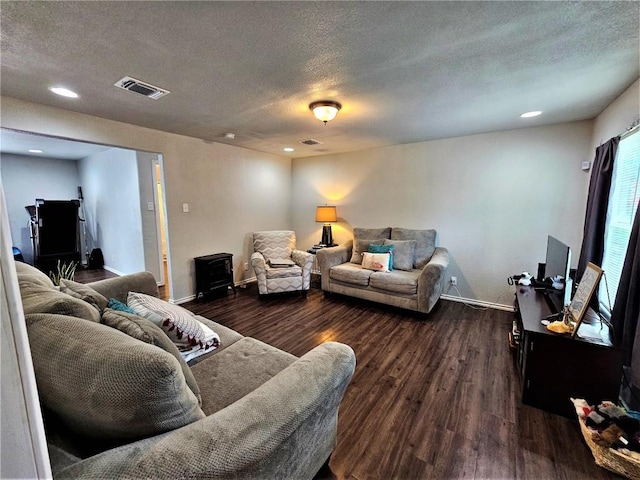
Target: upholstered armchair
<point x="279" y="267"/>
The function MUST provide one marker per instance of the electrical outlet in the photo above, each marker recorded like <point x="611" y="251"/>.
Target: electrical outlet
<point x="454" y="281"/>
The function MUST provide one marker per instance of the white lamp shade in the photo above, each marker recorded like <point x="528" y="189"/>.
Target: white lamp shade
<point x="325" y="113"/>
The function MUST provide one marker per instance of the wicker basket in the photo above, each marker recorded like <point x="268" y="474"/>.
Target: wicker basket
<point x="609" y="458"/>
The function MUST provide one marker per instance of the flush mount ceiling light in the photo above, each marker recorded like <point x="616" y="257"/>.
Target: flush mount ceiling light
<point x="535" y="113"/>
<point x="288" y="149"/>
<point x="325" y="110"/>
<point x="34" y="150"/>
<point x="64" y="92"/>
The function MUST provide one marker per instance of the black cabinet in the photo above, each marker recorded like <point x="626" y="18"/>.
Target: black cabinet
<point x="555" y="367"/>
<point x="214" y="272"/>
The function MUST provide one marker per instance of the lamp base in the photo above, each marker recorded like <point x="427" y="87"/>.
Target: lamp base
<point x="327" y="237"/>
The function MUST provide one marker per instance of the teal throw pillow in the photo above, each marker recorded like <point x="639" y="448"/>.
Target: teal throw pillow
<point x="373" y="248"/>
<point x="115" y="304"/>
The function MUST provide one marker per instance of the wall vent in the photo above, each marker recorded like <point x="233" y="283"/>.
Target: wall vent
<point x="136" y="86"/>
<point x="311" y="141"/>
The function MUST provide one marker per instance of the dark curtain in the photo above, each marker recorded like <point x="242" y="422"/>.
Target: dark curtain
<point x="597" y="202"/>
<point x="626" y="311"/>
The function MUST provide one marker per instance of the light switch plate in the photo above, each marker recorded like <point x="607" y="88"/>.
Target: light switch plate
<point x="150" y="206"/>
<point x="185" y="207"/>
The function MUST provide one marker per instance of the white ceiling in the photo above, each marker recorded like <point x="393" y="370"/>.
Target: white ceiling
<point x="403" y="71"/>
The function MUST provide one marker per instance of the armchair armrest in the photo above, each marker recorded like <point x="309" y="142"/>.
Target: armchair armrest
<point x="119" y="287"/>
<point x="431" y="279"/>
<point x="332" y="256"/>
<point x="286" y="428"/>
<point x="259" y="265"/>
<point x="305" y="261"/>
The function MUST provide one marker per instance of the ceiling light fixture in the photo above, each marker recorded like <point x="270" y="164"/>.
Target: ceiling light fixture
<point x="534" y="113"/>
<point x="64" y="92"/>
<point x="325" y="110"/>
<point x="33" y="150"/>
<point x="288" y="149"/>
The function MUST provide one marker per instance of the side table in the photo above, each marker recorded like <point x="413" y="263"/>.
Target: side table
<point x="214" y="272"/>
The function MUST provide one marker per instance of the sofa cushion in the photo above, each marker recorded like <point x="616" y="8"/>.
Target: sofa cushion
<point x="105" y="384"/>
<point x="37" y="298"/>
<point x="350" y="273"/>
<point x="403" y="253"/>
<point x="147" y="332"/>
<point x="239" y="370"/>
<point x="363" y="237"/>
<point x="32" y="274"/>
<point x="425" y="243"/>
<point x="85" y="293"/>
<point x="397" y="281"/>
<point x="376" y="261"/>
<point x="177" y="322"/>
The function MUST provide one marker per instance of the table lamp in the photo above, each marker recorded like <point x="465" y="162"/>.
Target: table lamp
<point x="326" y="214"/>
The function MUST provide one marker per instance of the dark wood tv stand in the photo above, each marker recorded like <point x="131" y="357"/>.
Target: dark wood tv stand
<point x="555" y="367"/>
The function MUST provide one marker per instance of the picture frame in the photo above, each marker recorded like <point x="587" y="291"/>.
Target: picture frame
<point x="586" y="288"/>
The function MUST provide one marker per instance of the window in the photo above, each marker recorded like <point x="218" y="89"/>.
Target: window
<point x="623" y="203"/>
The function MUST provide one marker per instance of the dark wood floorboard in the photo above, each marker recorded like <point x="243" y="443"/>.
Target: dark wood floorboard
<point x="429" y="399"/>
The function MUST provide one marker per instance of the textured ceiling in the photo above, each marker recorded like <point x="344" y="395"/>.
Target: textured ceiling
<point x="403" y="71"/>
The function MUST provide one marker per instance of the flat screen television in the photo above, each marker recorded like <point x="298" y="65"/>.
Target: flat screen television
<point x="558" y="262"/>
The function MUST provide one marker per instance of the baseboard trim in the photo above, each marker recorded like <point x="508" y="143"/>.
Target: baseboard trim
<point x="189" y="298"/>
<point x="113" y="270"/>
<point x="478" y="303"/>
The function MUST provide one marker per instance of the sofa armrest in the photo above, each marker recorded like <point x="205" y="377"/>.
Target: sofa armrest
<point x="431" y="280"/>
<point x="305" y="261"/>
<point x="330" y="257"/>
<point x="119" y="287"/>
<point x="286" y="428"/>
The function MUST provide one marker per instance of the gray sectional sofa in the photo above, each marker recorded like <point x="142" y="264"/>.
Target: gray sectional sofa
<point x="416" y="284"/>
<point x="119" y="403"/>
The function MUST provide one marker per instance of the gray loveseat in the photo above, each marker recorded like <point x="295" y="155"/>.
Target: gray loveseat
<point x="416" y="284"/>
<point x="116" y="406"/>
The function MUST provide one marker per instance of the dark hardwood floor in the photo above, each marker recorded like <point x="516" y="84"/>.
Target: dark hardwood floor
<point x="429" y="399"/>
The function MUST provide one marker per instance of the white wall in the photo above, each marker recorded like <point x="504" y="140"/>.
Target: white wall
<point x="26" y="178"/>
<point x="231" y="191"/>
<point x="109" y="181"/>
<point x="614" y="120"/>
<point x="493" y="198"/>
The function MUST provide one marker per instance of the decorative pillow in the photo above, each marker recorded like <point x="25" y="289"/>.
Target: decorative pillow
<point x="84" y="292"/>
<point x="145" y="331"/>
<point x="362" y="237"/>
<point x="403" y="253"/>
<point x="177" y="322"/>
<point x="425" y="243"/>
<point x="374" y="248"/>
<point x="376" y="261"/>
<point x="37" y="298"/>
<point x="104" y="384"/>
<point x="115" y="304"/>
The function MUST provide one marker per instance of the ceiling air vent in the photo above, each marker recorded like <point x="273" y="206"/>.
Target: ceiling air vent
<point x="311" y="141"/>
<point x="136" y="86"/>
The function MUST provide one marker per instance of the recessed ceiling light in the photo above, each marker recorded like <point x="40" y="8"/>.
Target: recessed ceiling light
<point x="33" y="150"/>
<point x="288" y="149"/>
<point x="229" y="136"/>
<point x="534" y="113"/>
<point x="64" y="92"/>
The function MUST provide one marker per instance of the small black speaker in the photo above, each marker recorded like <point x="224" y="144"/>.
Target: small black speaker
<point x="541" y="268"/>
